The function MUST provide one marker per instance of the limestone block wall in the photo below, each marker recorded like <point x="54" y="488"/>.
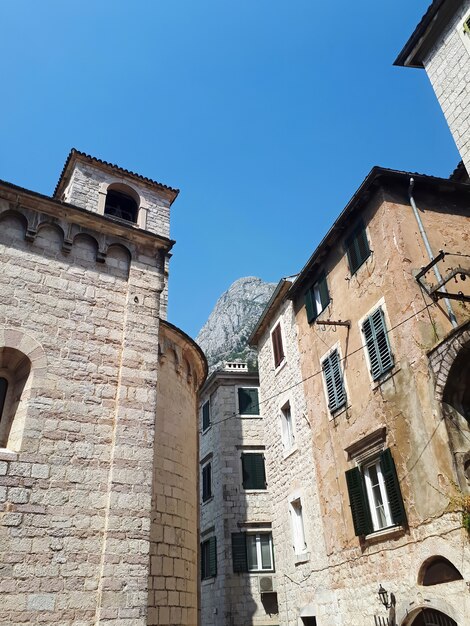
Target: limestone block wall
<point x="448" y="68"/>
<point x="77" y="476"/>
<point x="232" y="599"/>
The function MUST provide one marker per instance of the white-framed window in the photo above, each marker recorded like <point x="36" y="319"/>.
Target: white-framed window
<point x="248" y="401"/>
<point x="259" y="552"/>
<point x="377" y="495"/>
<point x="277" y="344"/>
<point x="298" y="530"/>
<point x="287" y="427"/>
<point x="316" y="298"/>
<point x="334" y="381"/>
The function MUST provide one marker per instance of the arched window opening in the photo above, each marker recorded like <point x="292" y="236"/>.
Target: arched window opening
<point x="121" y="205"/>
<point x="457" y="389"/>
<point x="431" y="617"/>
<point x="15" y="369"/>
<point x="438" y="570"/>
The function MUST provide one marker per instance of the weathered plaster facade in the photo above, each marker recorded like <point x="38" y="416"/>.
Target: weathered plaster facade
<point x="81" y="344"/>
<point x="228" y="598"/>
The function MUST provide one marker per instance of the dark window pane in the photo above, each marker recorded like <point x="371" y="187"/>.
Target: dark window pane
<point x="248" y="403"/>
<point x="3" y="394"/>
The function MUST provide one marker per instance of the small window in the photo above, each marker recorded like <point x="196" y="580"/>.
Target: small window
<point x="317" y="299"/>
<point x="206" y="482"/>
<point x="375" y="495"/>
<point x="438" y="571"/>
<point x="248" y="401"/>
<point x="377" y="344"/>
<point x="278" y="350"/>
<point x="3" y="395"/>
<point x="253" y="472"/>
<point x="252" y="552"/>
<point x="466" y="26"/>
<point x="357" y="248"/>
<point x="121" y="205"/>
<point x="209" y="558"/>
<point x="206" y="415"/>
<point x="334" y="381"/>
<point x="287" y="427"/>
<point x="300" y="544"/>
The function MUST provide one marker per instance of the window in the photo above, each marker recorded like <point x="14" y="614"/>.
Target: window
<point x="278" y="350"/>
<point x="206" y="415"/>
<point x="378" y="347"/>
<point x="3" y="395"/>
<point x="334" y="381"/>
<point x="209" y="558"/>
<point x="206" y="482"/>
<point x="357" y="248"/>
<point x="300" y="545"/>
<point x="287" y="427"/>
<point x="375" y="496"/>
<point x="252" y="552"/>
<point x="253" y="473"/>
<point x="121" y="205"/>
<point x="248" y="401"/>
<point x="317" y="298"/>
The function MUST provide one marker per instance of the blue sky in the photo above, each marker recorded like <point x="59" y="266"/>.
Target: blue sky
<point x="267" y="114"/>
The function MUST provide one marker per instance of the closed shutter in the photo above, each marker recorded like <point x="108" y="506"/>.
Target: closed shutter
<point x="206" y="416"/>
<point x="395" y="501"/>
<point x="357" y="248"/>
<point x="310" y="307"/>
<point x="334" y="381"/>
<point x="358" y="500"/>
<point x="239" y="557"/>
<point x="206" y="482"/>
<point x="378" y="347"/>
<point x="254" y="476"/>
<point x="277" y="346"/>
<point x="248" y="403"/>
<point x="212" y="565"/>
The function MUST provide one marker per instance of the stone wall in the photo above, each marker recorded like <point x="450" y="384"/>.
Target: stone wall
<point x="448" y="68"/>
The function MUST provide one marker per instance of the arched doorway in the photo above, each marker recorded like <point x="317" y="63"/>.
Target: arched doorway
<point x="431" y="617"/>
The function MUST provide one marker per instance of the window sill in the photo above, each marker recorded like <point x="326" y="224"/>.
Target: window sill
<point x="256" y="572"/>
<point x="8" y="455"/>
<point x="205" y="582"/>
<point x="254" y="491"/>
<point x="289" y="452"/>
<point x="280" y="367"/>
<point x="385" y="377"/>
<point x="247" y="416"/>
<point x="384" y="533"/>
<point x="206" y="429"/>
<point x="301" y="558"/>
<point x="207" y="501"/>
<point x="340" y="411"/>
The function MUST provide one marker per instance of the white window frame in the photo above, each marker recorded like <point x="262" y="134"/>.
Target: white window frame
<point x="259" y="559"/>
<point x="271" y="332"/>
<point x="371" y="497"/>
<point x="239" y="413"/>
<point x="287" y="427"/>
<point x="298" y="526"/>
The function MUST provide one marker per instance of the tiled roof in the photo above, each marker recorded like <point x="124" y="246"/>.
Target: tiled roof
<point x="93" y="159"/>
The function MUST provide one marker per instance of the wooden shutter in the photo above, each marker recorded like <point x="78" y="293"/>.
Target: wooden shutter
<point x="239" y="556"/>
<point x="254" y="476"/>
<point x="334" y="381"/>
<point x="206" y="415"/>
<point x="358" y="500"/>
<point x="357" y="248"/>
<point x="324" y="295"/>
<point x="378" y="347"/>
<point x="395" y="501"/>
<point x="310" y="307"/>
<point x="248" y="403"/>
<point x="206" y="482"/>
<point x="277" y="346"/>
<point x="212" y="565"/>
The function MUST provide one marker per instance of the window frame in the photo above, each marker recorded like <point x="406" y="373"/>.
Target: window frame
<point x="259" y="554"/>
<point x="252" y="453"/>
<point x="317" y="298"/>
<point x="298" y="526"/>
<point x="341" y="403"/>
<point x="277" y="346"/>
<point x="206" y="481"/>
<point x="205" y="427"/>
<point x="371" y="496"/>
<point x="208" y="551"/>
<point x="357" y="257"/>
<point x="287" y="427"/>
<point x="237" y="391"/>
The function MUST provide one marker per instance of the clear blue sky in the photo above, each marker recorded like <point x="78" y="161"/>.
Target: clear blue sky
<point x="267" y="114"/>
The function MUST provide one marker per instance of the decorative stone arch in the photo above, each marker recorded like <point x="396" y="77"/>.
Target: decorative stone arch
<point x="24" y="364"/>
<point x="436" y="570"/>
<point x="53" y="242"/>
<point x="119" y="186"/>
<point x="436" y="612"/>
<point x="15" y="216"/>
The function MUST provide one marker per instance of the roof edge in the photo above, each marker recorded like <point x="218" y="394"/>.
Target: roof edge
<point x="277" y="296"/>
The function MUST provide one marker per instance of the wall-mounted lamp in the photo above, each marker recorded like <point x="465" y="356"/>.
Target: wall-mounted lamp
<point x="383" y="596"/>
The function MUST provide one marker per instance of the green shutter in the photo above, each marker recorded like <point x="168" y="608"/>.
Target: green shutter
<point x="206" y="482"/>
<point x="358" y="500"/>
<point x="378" y="347"/>
<point x="357" y="248"/>
<point x="395" y="501"/>
<point x="310" y="305"/>
<point x="206" y="416"/>
<point x="248" y="403"/>
<point x="212" y="566"/>
<point x="324" y="295"/>
<point x="254" y="476"/>
<point x="239" y="557"/>
<point x="334" y="381"/>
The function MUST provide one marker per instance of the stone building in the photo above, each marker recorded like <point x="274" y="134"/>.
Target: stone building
<point x="237" y="551"/>
<point x="441" y="45"/>
<point x="98" y="428"/>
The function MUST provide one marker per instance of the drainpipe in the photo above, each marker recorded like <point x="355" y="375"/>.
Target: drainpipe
<point x="424" y="237"/>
